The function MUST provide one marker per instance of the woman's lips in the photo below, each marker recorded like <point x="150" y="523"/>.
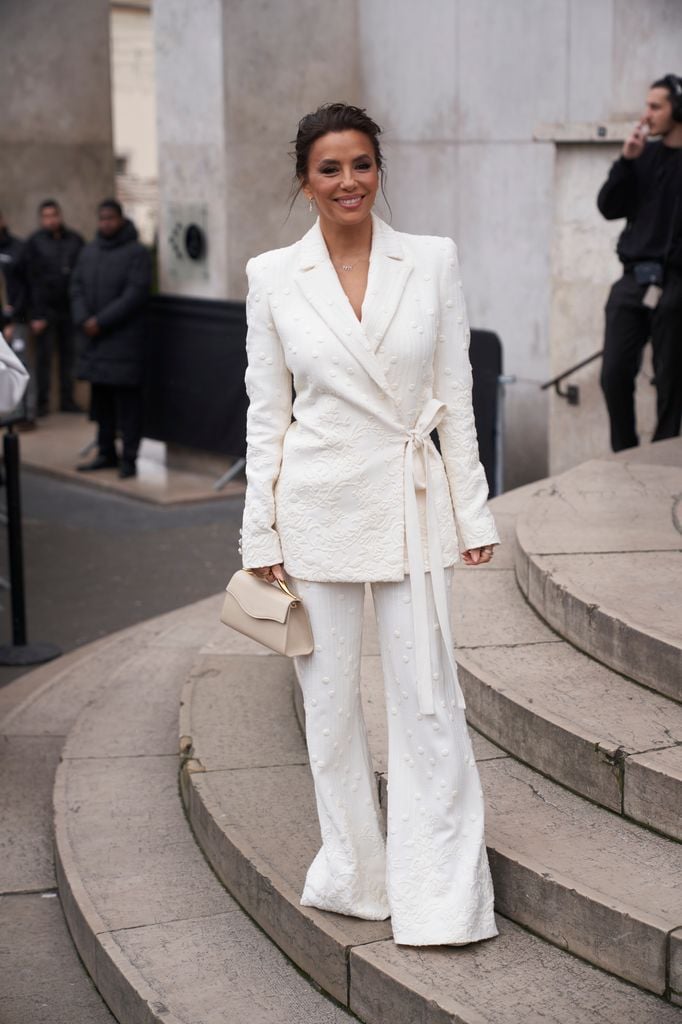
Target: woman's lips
<point x="349" y="202"/>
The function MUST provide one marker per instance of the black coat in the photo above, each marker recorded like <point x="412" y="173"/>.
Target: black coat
<point x="12" y="267"/>
<point x="50" y="260"/>
<point x="111" y="282"/>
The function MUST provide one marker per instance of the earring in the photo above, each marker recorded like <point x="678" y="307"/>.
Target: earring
<point x="310" y="204"/>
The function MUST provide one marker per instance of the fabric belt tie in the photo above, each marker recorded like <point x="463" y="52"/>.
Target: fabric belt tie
<point x="419" y="451"/>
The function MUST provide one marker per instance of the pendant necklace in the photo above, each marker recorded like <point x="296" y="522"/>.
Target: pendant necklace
<point x="349" y="266"/>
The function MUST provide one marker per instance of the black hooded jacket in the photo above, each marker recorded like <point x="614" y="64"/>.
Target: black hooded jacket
<point x="111" y="282"/>
<point x="50" y="260"/>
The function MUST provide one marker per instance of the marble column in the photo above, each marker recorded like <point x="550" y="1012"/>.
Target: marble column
<point x="233" y="78"/>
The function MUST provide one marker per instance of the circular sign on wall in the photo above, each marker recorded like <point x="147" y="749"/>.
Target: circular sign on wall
<point x="195" y="242"/>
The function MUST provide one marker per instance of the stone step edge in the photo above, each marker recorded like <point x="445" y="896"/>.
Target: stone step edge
<point x="240" y="872"/>
<point x="503" y="863"/>
<point x="598" y="630"/>
<point x="120" y="983"/>
<point x="122" y="987"/>
<point x="580" y="761"/>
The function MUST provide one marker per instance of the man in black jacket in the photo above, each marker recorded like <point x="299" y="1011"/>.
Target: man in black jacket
<point x="645" y="186"/>
<point x="50" y="256"/>
<point x="109" y="290"/>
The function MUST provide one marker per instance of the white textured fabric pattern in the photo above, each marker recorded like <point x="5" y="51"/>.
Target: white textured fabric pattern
<point x="432" y="875"/>
<point x="326" y="492"/>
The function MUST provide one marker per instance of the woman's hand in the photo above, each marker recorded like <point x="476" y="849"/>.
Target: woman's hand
<point x="478" y="556"/>
<point x="270" y="572"/>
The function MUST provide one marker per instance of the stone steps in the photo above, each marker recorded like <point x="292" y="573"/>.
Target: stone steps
<point x="564" y="714"/>
<point x="159" y="935"/>
<point x="599" y="556"/>
<point x="586" y="759"/>
<point x="249" y="798"/>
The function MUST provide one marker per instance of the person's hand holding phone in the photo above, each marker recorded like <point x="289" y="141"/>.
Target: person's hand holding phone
<point x="635" y="143"/>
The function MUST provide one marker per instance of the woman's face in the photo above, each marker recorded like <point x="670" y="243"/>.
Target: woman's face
<point x="343" y="177"/>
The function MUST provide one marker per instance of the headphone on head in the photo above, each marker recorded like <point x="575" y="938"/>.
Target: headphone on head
<point x="674" y="84"/>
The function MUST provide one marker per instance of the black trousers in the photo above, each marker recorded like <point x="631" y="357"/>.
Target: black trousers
<point x="59" y="335"/>
<point x="117" y="410"/>
<point x="629" y="325"/>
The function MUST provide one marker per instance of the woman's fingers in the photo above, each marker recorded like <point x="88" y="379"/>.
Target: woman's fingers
<point x="270" y="572"/>
<point x="478" y="556"/>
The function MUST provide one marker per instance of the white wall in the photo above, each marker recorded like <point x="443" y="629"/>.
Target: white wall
<point x="134" y="114"/>
<point x="56" y="110"/>
<point x="461" y="87"/>
<point x="233" y="79"/>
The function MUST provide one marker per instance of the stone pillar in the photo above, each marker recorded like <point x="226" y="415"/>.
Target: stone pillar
<point x="233" y="78"/>
<point x="55" y="98"/>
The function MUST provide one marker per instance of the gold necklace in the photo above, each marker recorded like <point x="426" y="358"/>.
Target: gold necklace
<point x="349" y="266"/>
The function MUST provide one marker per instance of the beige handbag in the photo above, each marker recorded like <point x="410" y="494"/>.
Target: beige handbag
<point x="270" y="614"/>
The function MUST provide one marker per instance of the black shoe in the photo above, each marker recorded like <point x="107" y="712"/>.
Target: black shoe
<point x="70" y="406"/>
<point x="127" y="470"/>
<point x="99" y="462"/>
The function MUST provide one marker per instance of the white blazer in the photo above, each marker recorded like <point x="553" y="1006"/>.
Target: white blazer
<point x="353" y="489"/>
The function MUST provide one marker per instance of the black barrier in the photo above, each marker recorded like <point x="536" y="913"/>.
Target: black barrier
<point x="195" y="365"/>
<point x="195" y="395"/>
<point x="485" y="353"/>
<point x="20" y="651"/>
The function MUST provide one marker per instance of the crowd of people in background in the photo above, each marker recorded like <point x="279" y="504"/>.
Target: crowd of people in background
<point x="86" y="304"/>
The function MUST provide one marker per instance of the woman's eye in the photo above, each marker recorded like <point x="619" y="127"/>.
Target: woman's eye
<point x="329" y="170"/>
<point x="364" y="167"/>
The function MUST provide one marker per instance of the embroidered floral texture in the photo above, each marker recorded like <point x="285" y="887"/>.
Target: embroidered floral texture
<point x="325" y="492"/>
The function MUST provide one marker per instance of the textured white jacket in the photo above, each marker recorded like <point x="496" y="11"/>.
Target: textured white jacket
<point x="353" y="489"/>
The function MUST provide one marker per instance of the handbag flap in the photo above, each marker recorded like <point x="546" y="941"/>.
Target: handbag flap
<point x="259" y="599"/>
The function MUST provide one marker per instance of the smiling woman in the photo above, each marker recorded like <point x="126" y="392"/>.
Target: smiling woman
<point x="369" y="326"/>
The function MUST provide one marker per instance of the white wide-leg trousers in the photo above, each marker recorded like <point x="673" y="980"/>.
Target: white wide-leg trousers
<point x="431" y="875"/>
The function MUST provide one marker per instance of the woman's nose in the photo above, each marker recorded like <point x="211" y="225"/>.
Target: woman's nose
<point x="348" y="180"/>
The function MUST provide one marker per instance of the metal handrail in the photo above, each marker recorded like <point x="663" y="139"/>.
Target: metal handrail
<point x="572" y="392"/>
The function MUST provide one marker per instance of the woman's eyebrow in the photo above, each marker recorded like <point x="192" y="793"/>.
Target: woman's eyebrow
<point x="333" y="160"/>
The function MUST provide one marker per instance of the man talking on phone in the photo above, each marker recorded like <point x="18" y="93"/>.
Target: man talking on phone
<point x="645" y="186"/>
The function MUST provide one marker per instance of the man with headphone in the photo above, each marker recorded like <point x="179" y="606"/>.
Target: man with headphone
<point x="645" y="186"/>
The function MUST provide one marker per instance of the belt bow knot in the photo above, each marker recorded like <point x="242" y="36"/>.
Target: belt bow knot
<point x="419" y="450"/>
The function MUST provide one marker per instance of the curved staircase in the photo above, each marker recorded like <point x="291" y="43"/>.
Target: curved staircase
<point x="577" y="736"/>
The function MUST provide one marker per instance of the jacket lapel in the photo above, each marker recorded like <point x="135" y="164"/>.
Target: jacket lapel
<point x="389" y="269"/>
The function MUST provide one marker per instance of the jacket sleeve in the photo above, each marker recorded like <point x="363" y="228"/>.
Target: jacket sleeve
<point x="79" y="310"/>
<point x="618" y="195"/>
<point x="269" y="387"/>
<point x="35" y="273"/>
<point x="134" y="295"/>
<point x="457" y="430"/>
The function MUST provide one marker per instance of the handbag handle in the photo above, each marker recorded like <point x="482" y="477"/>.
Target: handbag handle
<point x="282" y="585"/>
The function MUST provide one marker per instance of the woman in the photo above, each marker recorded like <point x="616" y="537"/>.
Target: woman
<point x="369" y="326"/>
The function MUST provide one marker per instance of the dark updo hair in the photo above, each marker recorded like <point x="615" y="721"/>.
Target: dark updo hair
<point x="332" y="117"/>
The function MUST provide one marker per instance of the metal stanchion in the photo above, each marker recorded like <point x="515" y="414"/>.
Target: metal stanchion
<point x="234" y="470"/>
<point x="20" y="651"/>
